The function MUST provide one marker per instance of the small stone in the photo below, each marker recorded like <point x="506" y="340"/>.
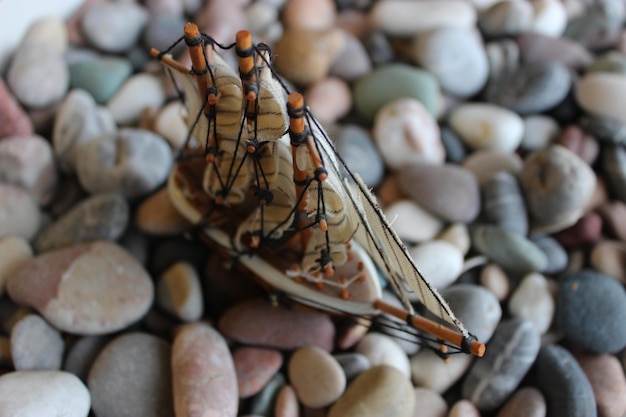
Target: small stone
<point x="464" y="408"/>
<point x="582" y="144"/>
<point x="607" y="380"/>
<point x="115" y="290"/>
<point x="316" y="377"/>
<point x="257" y="322"/>
<point x="353" y="364"/>
<point x="503" y="56"/>
<point x="19" y="213"/>
<point x="14" y="251"/>
<point x="50" y="30"/>
<point x="485" y="163"/>
<point x="303" y="14"/>
<point x="440" y="261"/>
<point x="161" y="30"/>
<point x="614" y="164"/>
<point x="165" y="7"/>
<point x="456" y="56"/>
<point x="550" y="17"/>
<point x="448" y="191"/>
<point x="510" y="354"/>
<point x="487" y="126"/>
<point x="609" y="258"/>
<point x="458" y="235"/>
<point x="378" y="47"/>
<point x="263" y="403"/>
<point x="179" y="292"/>
<point x="429" y="371"/>
<point x="329" y="99"/>
<point x="139" y="92"/>
<point x="589" y="303"/>
<point x="82" y="354"/>
<point x="556" y="254"/>
<point x="380" y="349"/>
<point x="101" y="216"/>
<point x="353" y="61"/>
<point x="158" y="216"/>
<point x="495" y="279"/>
<point x="533" y="301"/>
<point x="132" y="376"/>
<point x="453" y="146"/>
<point x="286" y="403"/>
<point x="586" y="231"/>
<point x="563" y="383"/>
<point x="133" y="162"/>
<point x="476" y="307"/>
<point x="599" y="27"/>
<point x="526" y="402"/>
<point x="254" y="368"/>
<point x="379" y="391"/>
<point x="356" y="147"/>
<point x="539" y="132"/>
<point x="392" y="82"/>
<point x="406" y="132"/>
<point x="13" y="119"/>
<point x="506" y="18"/>
<point x="35" y="345"/>
<point x="503" y="203"/>
<point x="203" y="373"/>
<point x="171" y="126"/>
<point x="43" y="393"/>
<point x="599" y="92"/>
<point x="611" y="61"/>
<point x="429" y="403"/>
<point x="613" y="214"/>
<point x="411" y="222"/>
<point x="101" y="77"/>
<point x="535" y="47"/>
<point x="114" y="27"/>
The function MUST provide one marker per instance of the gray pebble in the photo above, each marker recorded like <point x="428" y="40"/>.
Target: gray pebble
<point x="114" y="27"/>
<point x="503" y="57"/>
<point x="563" y="383"/>
<point x="353" y="62"/>
<point x="604" y="129"/>
<point x="510" y="354"/>
<point x="162" y="30"/>
<point x="537" y="47"/>
<point x="82" y="354"/>
<point x="614" y="163"/>
<point x="503" y="203"/>
<point x="134" y="162"/>
<point x="378" y="47"/>
<point x="263" y="402"/>
<point x="506" y="18"/>
<point x="591" y="311"/>
<point x="35" y="345"/>
<point x="132" y="377"/>
<point x="101" y="216"/>
<point x="596" y="28"/>
<point x="455" y="150"/>
<point x="556" y="254"/>
<point x="352" y="363"/>
<point x="357" y="149"/>
<point x="611" y="61"/>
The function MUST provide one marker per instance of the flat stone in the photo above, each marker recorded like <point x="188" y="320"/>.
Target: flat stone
<point x="179" y="292"/>
<point x="43" y="393"/>
<point x="254" y="368"/>
<point x="204" y="376"/>
<point x="526" y="402"/>
<point x="132" y="376"/>
<point x="316" y="377"/>
<point x="35" y="345"/>
<point x="114" y="289"/>
<point x="535" y="47"/>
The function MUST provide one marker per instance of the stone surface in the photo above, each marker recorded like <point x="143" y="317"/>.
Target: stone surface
<point x="356" y="147"/>
<point x="526" y="402"/>
<point x="254" y="368"/>
<point x="412" y="223"/>
<point x="533" y="301"/>
<point x="114" y="27"/>
<point x="485" y="163"/>
<point x="13" y="119"/>
<point x="597" y="93"/>
<point x="287" y="403"/>
<point x="35" y="345"/>
<point x="476" y="307"/>
<point x="14" y="251"/>
<point x="101" y="77"/>
<point x="503" y="203"/>
<point x="82" y="354"/>
<point x="440" y="261"/>
<point x="429" y="371"/>
<point x="139" y="93"/>
<point x="352" y="363"/>
<point x="428" y="403"/>
<point x="179" y="292"/>
<point x="381" y="349"/>
<point x="609" y="257"/>
<point x="19" y="213"/>
<point x="158" y="216"/>
<point x="316" y="377"/>
<point x="90" y="288"/>
<point x="329" y="99"/>
<point x="608" y="382"/>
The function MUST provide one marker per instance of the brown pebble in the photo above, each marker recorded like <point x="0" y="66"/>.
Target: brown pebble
<point x="614" y="215"/>
<point x="157" y="216"/>
<point x="309" y="15"/>
<point x="316" y="376"/>
<point x="609" y="257"/>
<point x="13" y="119"/>
<point x="527" y="402"/>
<point x="329" y="99"/>
<point x="286" y="403"/>
<point x="254" y="368"/>
<point x="578" y="141"/>
<point x="586" y="231"/>
<point x="608" y="382"/>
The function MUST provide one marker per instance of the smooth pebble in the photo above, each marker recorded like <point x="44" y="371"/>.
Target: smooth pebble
<point x="496" y="280"/>
<point x="138" y="93"/>
<point x="503" y="203"/>
<point x="14" y="250"/>
<point x="316" y="377"/>
<point x="550" y="17"/>
<point x="600" y="92"/>
<point x="179" y="292"/>
<point x="157" y="215"/>
<point x="463" y="408"/>
<point x="101" y="77"/>
<point x="170" y="124"/>
<point x="19" y="212"/>
<point x="581" y="143"/>
<point x="287" y="403"/>
<point x="329" y="99"/>
<point x="82" y="354"/>
<point x="458" y="235"/>
<point x="304" y="14"/>
<point x="254" y="368"/>
<point x="613" y="213"/>
<point x="556" y="254"/>
<point x="506" y="18"/>
<point x="352" y="363"/>
<point x="533" y="301"/>
<point x="453" y="145"/>
<point x="539" y="132"/>
<point x="440" y="261"/>
<point x="352" y="62"/>
<point x="609" y="258"/>
<point x="357" y="149"/>
<point x="411" y="222"/>
<point x="429" y="403"/>
<point x="114" y="27"/>
<point x="535" y="47"/>
<point x="614" y="165"/>
<point x="485" y="163"/>
<point x="608" y="382"/>
<point x="526" y="402"/>
<point x="263" y="403"/>
<point x="381" y="349"/>
<point x="586" y="231"/>
<point x="35" y="345"/>
<point x="13" y="119"/>
<point x="429" y="371"/>
<point x="477" y="308"/>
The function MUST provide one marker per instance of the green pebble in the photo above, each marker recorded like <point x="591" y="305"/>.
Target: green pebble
<point x="263" y="403"/>
<point x="391" y="82"/>
<point x="614" y="62"/>
<point x="101" y="77"/>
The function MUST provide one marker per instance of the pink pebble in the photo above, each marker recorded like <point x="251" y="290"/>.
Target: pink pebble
<point x="254" y="368"/>
<point x="608" y="382"/>
<point x="286" y="403"/>
<point x="13" y="119"/>
<point x="309" y="15"/>
<point x="586" y="231"/>
<point x="329" y="99"/>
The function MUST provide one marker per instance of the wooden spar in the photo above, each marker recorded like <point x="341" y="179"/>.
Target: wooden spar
<point x="169" y="61"/>
<point x="444" y="333"/>
<point x="247" y="71"/>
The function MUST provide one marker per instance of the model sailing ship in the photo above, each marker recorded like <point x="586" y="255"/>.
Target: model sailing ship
<point x="262" y="178"/>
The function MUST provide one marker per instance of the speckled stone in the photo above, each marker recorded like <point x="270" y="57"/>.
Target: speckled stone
<point x="254" y="368"/>
<point x="35" y="345"/>
<point x="316" y="377"/>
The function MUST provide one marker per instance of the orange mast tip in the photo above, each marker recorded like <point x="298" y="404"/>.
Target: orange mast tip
<point x="191" y="30"/>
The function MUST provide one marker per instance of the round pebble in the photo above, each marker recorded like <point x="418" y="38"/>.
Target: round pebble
<point x="456" y="56"/>
<point x="589" y="303"/>
<point x="43" y="393"/>
<point x="132" y="376"/>
<point x="352" y="363"/>
<point x="503" y="203"/>
<point x="495" y="279"/>
<point x="607" y="380"/>
<point x="329" y="99"/>
<point x="448" y="191"/>
<point x="203" y="373"/>
<point x="440" y="261"/>
<point x="429" y="403"/>
<point x="463" y="408"/>
<point x="380" y="349"/>
<point x="254" y="368"/>
<point x="353" y="61"/>
<point x="406" y="132"/>
<point x="586" y="231"/>
<point x="506" y="18"/>
<point x="179" y="292"/>
<point x="487" y="126"/>
<point x="613" y="214"/>
<point x="19" y="212"/>
<point x="114" y="289"/>
<point x="356" y="147"/>
<point x="170" y="125"/>
<point x="257" y="322"/>
<point x="157" y="215"/>
<point x="161" y="30"/>
<point x="138" y="93"/>
<point x="609" y="258"/>
<point x="510" y="354"/>
<point x="458" y="235"/>
<point x="412" y="223"/>
<point x="429" y="371"/>
<point x="556" y="254"/>
<point x="133" y="162"/>
<point x="582" y="144"/>
<point x="550" y="17"/>
<point x="303" y="14"/>
<point x="114" y="27"/>
<point x="82" y="354"/>
<point x="535" y="47"/>
<point x="485" y="163"/>
<point x="101" y="77"/>
<point x="380" y="391"/>
<point x="14" y="250"/>
<point x="526" y="402"/>
<point x="13" y="119"/>
<point x="101" y="216"/>
<point x="286" y="402"/>
<point x="539" y="132"/>
<point x="316" y="377"/>
<point x="35" y="345"/>
<point x="599" y="92"/>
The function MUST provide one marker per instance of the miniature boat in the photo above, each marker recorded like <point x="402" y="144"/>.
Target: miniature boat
<point x="261" y="178"/>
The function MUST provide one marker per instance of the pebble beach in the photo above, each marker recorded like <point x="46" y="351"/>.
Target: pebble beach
<point x="492" y="132"/>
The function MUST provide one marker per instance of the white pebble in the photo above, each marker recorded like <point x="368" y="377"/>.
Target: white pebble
<point x="458" y="235"/>
<point x="485" y="163"/>
<point x="532" y="301"/>
<point x="411" y="222"/>
<point x="429" y="403"/>
<point x="550" y="17"/>
<point x="170" y="124"/>
<point x="439" y="261"/>
<point x="19" y="212"/>
<point x="383" y="350"/>
<point x="140" y="92"/>
<point x="14" y="250"/>
<point x="429" y="371"/>
<point x="602" y="94"/>
<point x="539" y="132"/>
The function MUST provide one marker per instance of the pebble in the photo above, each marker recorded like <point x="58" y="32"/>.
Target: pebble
<point x="257" y="322"/>
<point x="607" y="380"/>
<point x="352" y="363"/>
<point x="101" y="216"/>
<point x="539" y="132"/>
<point x="101" y="77"/>
<point x="533" y="88"/>
<point x="463" y="408"/>
<point x="114" y="27"/>
<point x="456" y="56"/>
<point x="611" y="61"/>
<point x="598" y="27"/>
<point x="440" y="261"/>
<point x="496" y="280"/>
<point x="557" y="185"/>
<point x="389" y="83"/>
<point x="487" y="126"/>
<point x="535" y="47"/>
<point x="589" y="305"/>
<point x="14" y="251"/>
<point x="263" y="403"/>
<point x="485" y="163"/>
<point x="532" y="301"/>
<point x="476" y="307"/>
<point x="609" y="258"/>
<point x="170" y="124"/>
<point x="356" y="147"/>
<point x="585" y="232"/>
<point x="453" y="146"/>
<point x="165" y="7"/>
<point x="78" y="121"/>
<point x="514" y="252"/>
<point x="156" y="215"/>
<point x="599" y="93"/>
<point x="506" y="18"/>
<point x="449" y="191"/>
<point x="132" y="376"/>
<point x="115" y="289"/>
<point x="179" y="292"/>
<point x="286" y="403"/>
<point x="381" y="349"/>
<point x="510" y="354"/>
<point x="412" y="223"/>
<point x="138" y="93"/>
<point x="254" y="368"/>
<point x="316" y="377"/>
<point x="132" y="162"/>
<point x="203" y="373"/>
<point x="329" y="99"/>
<point x="429" y="403"/>
<point x="398" y="18"/>
<point x="582" y="144"/>
<point x="380" y="391"/>
<point x="613" y="214"/>
<point x="378" y="47"/>
<point x="526" y="402"/>
<point x="564" y="385"/>
<point x="604" y="129"/>
<point x="503" y="56"/>
<point x="406" y="132"/>
<point x="35" y="345"/>
<point x="353" y="61"/>
<point x="303" y="14"/>
<point x="614" y="165"/>
<point x="82" y="354"/>
<point x="503" y="203"/>
<point x="13" y="119"/>
<point x="19" y="212"/>
<point x="43" y="393"/>
<point x="429" y="371"/>
<point x="556" y="254"/>
<point x="550" y="17"/>
<point x="161" y="30"/>
<point x="28" y="162"/>
<point x="458" y="235"/>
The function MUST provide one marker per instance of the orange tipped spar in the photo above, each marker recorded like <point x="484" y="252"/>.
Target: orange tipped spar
<point x="245" y="55"/>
